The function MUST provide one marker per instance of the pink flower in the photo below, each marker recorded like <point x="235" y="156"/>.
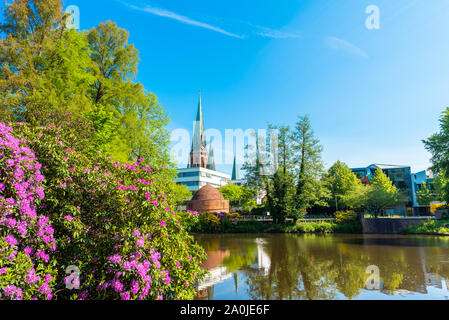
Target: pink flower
<point x="126" y="295"/>
<point x="163" y="223"/>
<point x="136" y="233"/>
<point x="68" y="218"/>
<point x="11" y="240"/>
<point x="115" y="258"/>
<point x="141" y="242"/>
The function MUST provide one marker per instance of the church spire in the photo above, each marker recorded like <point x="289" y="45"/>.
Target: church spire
<point x="198" y="153"/>
<point x="235" y="169"/>
<point x="199" y="139"/>
<point x="211" y="159"/>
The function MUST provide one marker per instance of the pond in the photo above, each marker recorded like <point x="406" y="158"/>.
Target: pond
<point x="316" y="267"/>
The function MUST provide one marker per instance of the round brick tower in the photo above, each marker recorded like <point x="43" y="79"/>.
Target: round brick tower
<point x="208" y="199"/>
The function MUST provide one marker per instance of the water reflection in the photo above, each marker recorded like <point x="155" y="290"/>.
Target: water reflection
<point x="313" y="267"/>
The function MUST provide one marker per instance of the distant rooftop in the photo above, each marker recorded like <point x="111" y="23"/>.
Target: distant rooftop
<point x="388" y="166"/>
<point x="381" y="166"/>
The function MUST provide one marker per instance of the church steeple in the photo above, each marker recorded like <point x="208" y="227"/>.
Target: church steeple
<point x="198" y="154"/>
<point x="211" y="160"/>
<point x="199" y="139"/>
<point x="235" y="169"/>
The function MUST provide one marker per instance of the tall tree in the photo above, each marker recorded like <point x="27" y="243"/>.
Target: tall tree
<point x="285" y="152"/>
<point x="340" y="180"/>
<point x="309" y="166"/>
<point x="281" y="196"/>
<point x="44" y="68"/>
<point x="438" y="146"/>
<point x="130" y="120"/>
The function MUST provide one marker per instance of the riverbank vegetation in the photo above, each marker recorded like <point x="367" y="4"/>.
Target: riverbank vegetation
<point x="345" y="222"/>
<point x="431" y="227"/>
<point x="86" y="193"/>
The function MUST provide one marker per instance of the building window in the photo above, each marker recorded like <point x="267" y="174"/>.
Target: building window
<point x="190" y="184"/>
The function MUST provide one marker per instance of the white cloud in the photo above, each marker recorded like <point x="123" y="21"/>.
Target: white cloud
<point x="273" y="33"/>
<point x="172" y="15"/>
<point x="255" y="29"/>
<point x="343" y="45"/>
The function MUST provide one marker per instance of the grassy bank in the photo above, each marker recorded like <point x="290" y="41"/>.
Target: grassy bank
<point x="300" y="227"/>
<point x="345" y="222"/>
<point x="431" y="227"/>
<point x="324" y="227"/>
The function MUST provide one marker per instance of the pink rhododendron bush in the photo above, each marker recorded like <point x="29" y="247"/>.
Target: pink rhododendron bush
<point x="74" y="226"/>
<point x="26" y="237"/>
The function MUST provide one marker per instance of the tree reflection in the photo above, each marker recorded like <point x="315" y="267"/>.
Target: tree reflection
<point x="314" y="267"/>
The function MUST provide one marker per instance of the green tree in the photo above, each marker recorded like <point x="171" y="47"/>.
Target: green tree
<point x="130" y="121"/>
<point x="44" y="68"/>
<point x="180" y="194"/>
<point x="241" y="197"/>
<point x="440" y="188"/>
<point x="47" y="71"/>
<point x="309" y="166"/>
<point x="424" y="195"/>
<point x="281" y="196"/>
<point x="382" y="193"/>
<point x="357" y="198"/>
<point x="438" y="146"/>
<point x="340" y="180"/>
<point x="231" y="192"/>
<point x="285" y="152"/>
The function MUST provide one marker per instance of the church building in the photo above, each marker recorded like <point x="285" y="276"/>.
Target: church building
<point x="201" y="170"/>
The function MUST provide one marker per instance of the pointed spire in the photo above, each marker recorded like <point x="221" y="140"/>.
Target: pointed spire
<point x="235" y="169"/>
<point x="211" y="159"/>
<point x="199" y="139"/>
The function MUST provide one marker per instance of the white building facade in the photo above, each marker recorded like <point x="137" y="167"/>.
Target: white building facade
<point x="198" y="177"/>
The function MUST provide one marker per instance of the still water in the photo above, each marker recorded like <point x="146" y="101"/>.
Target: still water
<point x="314" y="267"/>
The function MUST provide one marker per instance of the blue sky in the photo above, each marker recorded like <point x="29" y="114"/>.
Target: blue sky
<point x="372" y="95"/>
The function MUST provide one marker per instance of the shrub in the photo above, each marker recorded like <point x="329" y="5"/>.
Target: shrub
<point x="215" y="222"/>
<point x="345" y="216"/>
<point x="27" y="244"/>
<point x="347" y="222"/>
<point x="114" y="222"/>
<point x="312" y="227"/>
<point x="429" y="227"/>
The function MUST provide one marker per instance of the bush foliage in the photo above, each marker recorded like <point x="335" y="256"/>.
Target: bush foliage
<point x="113" y="221"/>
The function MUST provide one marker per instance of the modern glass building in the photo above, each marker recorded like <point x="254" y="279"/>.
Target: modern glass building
<point x="400" y="176"/>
